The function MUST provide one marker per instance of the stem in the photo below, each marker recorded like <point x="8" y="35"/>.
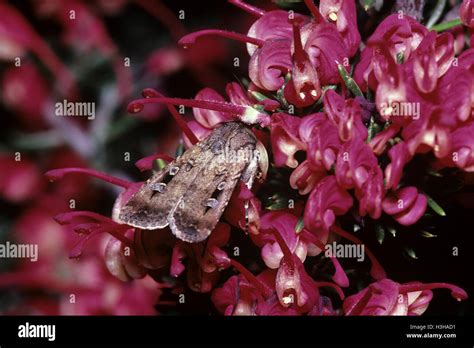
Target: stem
<point x="314" y="11"/>
<point x="190" y="39"/>
<point x="264" y="290"/>
<point x="137" y="105"/>
<point x="248" y="8"/>
<point x="340" y="276"/>
<point x="447" y="25"/>
<point x="377" y="271"/>
<point x="299" y="51"/>
<point x="65" y="218"/>
<point x="56" y="174"/>
<point x="157" y="9"/>
<point x="458" y="293"/>
<point x="283" y="246"/>
<point x="331" y="285"/>
<point x="181" y="123"/>
<point x="349" y="81"/>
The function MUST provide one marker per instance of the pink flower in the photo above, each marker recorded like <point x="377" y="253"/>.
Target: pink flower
<point x="467" y="13"/>
<point x="327" y="200"/>
<point x="346" y="115"/>
<point x="399" y="34"/>
<point x="304" y="178"/>
<point x="357" y="167"/>
<point x="18" y="37"/>
<point x="406" y="205"/>
<point x="343" y="14"/>
<point x="322" y="141"/>
<point x="25" y="92"/>
<point x="285" y="224"/>
<point x="285" y="139"/>
<point x="19" y="180"/>
<point x="399" y="156"/>
<point x="386" y="297"/>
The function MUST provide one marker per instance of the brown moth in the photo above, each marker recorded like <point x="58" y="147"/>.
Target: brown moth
<point x="190" y="194"/>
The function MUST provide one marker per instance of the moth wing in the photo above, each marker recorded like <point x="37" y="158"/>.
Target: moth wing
<point x="200" y="209"/>
<point x="149" y="207"/>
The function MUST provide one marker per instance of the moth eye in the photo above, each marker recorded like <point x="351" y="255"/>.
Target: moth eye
<point x="212" y="203"/>
<point x="159" y="187"/>
<point x="221" y="186"/>
<point x="174" y="170"/>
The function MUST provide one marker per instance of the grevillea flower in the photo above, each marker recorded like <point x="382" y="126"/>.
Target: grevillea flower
<point x="244" y="113"/>
<point x="400" y="35"/>
<point x="244" y="210"/>
<point x="399" y="156"/>
<point x="346" y="115"/>
<point x="321" y="139"/>
<point x="25" y="92"/>
<point x="357" y="168"/>
<point x="338" y="160"/>
<point x="386" y="297"/>
<point x="467" y="13"/>
<point x="18" y="37"/>
<point x="90" y="33"/>
<point x="406" y="205"/>
<point x="462" y="148"/>
<point x="19" y="180"/>
<point x="343" y="14"/>
<point x="304" y="178"/>
<point x="285" y="140"/>
<point x="325" y="202"/>
<point x="285" y="224"/>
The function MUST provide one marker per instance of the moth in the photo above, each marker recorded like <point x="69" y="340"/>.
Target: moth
<point x="190" y="194"/>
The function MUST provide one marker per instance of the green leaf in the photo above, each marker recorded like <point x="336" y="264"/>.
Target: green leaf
<point x="410" y="252"/>
<point x="392" y="231"/>
<point x="299" y="225"/>
<point x="160" y="164"/>
<point x="179" y="150"/>
<point x="447" y="25"/>
<point x="400" y="57"/>
<point x="435" y="206"/>
<point x="379" y="233"/>
<point x="436" y="174"/>
<point x="259" y="96"/>
<point x="349" y="81"/>
<point x="426" y="234"/>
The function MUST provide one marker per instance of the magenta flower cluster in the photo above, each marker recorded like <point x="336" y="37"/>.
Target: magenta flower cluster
<point x="411" y="93"/>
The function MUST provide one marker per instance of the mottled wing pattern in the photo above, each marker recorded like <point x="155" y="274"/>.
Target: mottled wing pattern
<point x="191" y="193"/>
<point x="201" y="207"/>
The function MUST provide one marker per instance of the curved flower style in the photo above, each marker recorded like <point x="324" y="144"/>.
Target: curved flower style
<point x="386" y="297"/>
